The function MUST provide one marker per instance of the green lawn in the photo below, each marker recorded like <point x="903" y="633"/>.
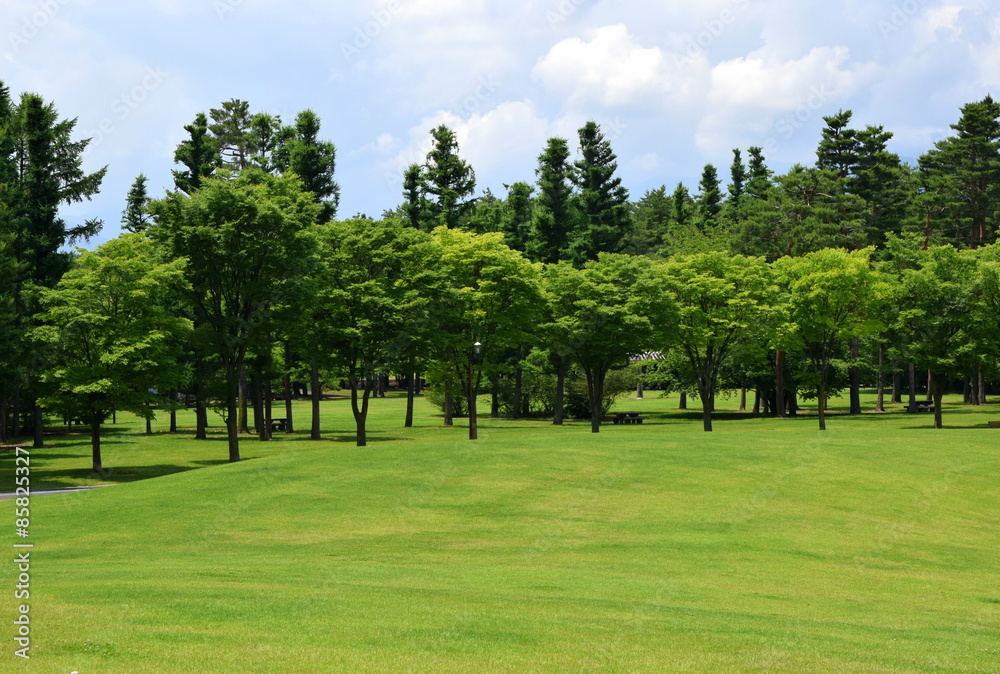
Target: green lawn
<point x="763" y="546"/>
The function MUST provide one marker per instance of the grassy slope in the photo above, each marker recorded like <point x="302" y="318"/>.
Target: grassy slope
<point x="764" y="546"/>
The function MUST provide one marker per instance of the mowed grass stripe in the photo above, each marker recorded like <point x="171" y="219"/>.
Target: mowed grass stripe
<point x="764" y="546"/>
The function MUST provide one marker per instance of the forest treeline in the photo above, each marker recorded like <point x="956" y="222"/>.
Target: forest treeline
<point x="241" y="284"/>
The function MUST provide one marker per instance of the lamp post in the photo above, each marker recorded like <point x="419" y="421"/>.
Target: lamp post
<point x="475" y="358"/>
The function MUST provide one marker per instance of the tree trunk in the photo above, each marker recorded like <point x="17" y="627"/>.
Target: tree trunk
<point x="560" y="402"/>
<point x="793" y="403"/>
<point x="855" y="374"/>
<point x="201" y="417"/>
<point x="411" y="392"/>
<point x="172" y="396"/>
<point x="15" y="405"/>
<point x="288" y="391"/>
<point x="232" y="409"/>
<point x="242" y="401"/>
<point x="756" y="402"/>
<point x="743" y="399"/>
<point x="268" y="411"/>
<point x="149" y="420"/>
<point x="705" y="393"/>
<point x="911" y="371"/>
<point x="595" y="386"/>
<point x="449" y="405"/>
<point x="39" y="426"/>
<point x="937" y="393"/>
<point x="779" y="384"/>
<point x="257" y="403"/>
<point x="897" y="384"/>
<point x="822" y="400"/>
<point x="981" y="385"/>
<point x="3" y="417"/>
<point x="880" y="401"/>
<point x="495" y="396"/>
<point x="518" y="392"/>
<point x="683" y="404"/>
<point x="316" y="395"/>
<point x="95" y="443"/>
<point x="360" y="412"/>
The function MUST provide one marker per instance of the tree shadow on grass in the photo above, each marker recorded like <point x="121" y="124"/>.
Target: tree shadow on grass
<point x="337" y="436"/>
<point x="114" y="474"/>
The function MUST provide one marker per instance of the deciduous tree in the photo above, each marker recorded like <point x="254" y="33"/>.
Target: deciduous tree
<point x="244" y="238"/>
<point x="832" y="295"/>
<point x="723" y="303"/>
<point x="109" y="335"/>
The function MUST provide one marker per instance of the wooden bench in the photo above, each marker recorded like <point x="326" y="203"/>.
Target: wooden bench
<point x="626" y="417"/>
<point x="994" y="424"/>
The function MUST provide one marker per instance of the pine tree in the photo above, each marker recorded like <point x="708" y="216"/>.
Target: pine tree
<point x="196" y="154"/>
<point x="414" y="206"/>
<point x="231" y="133"/>
<point x="267" y="143"/>
<point x="737" y="177"/>
<point x="838" y="147"/>
<point x="865" y="168"/>
<point x="313" y="161"/>
<point x="518" y="212"/>
<point x="41" y="170"/>
<point x="683" y="205"/>
<point x="970" y="160"/>
<point x="651" y="217"/>
<point x="448" y="179"/>
<point x="710" y="195"/>
<point x="758" y="175"/>
<point x="554" y="218"/>
<point x="604" y="211"/>
<point x="135" y="217"/>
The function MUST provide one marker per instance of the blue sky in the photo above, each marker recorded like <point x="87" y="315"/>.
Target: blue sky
<point x="675" y="85"/>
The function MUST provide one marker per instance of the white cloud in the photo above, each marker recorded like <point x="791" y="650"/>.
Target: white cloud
<point x="509" y="133"/>
<point x="610" y="69"/>
<point x="761" y="83"/>
<point x="752" y="93"/>
<point x="382" y="145"/>
<point x="647" y="162"/>
<point x="936" y="22"/>
<point x="987" y="57"/>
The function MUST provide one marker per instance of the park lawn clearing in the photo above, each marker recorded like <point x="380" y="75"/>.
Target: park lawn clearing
<point x="763" y="546"/>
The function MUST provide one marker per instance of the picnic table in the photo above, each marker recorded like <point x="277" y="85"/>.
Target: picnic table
<point x="626" y="417"/>
<point x="279" y="424"/>
<point x="925" y="405"/>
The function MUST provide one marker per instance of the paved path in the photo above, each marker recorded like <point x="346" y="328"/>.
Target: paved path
<point x="57" y="490"/>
